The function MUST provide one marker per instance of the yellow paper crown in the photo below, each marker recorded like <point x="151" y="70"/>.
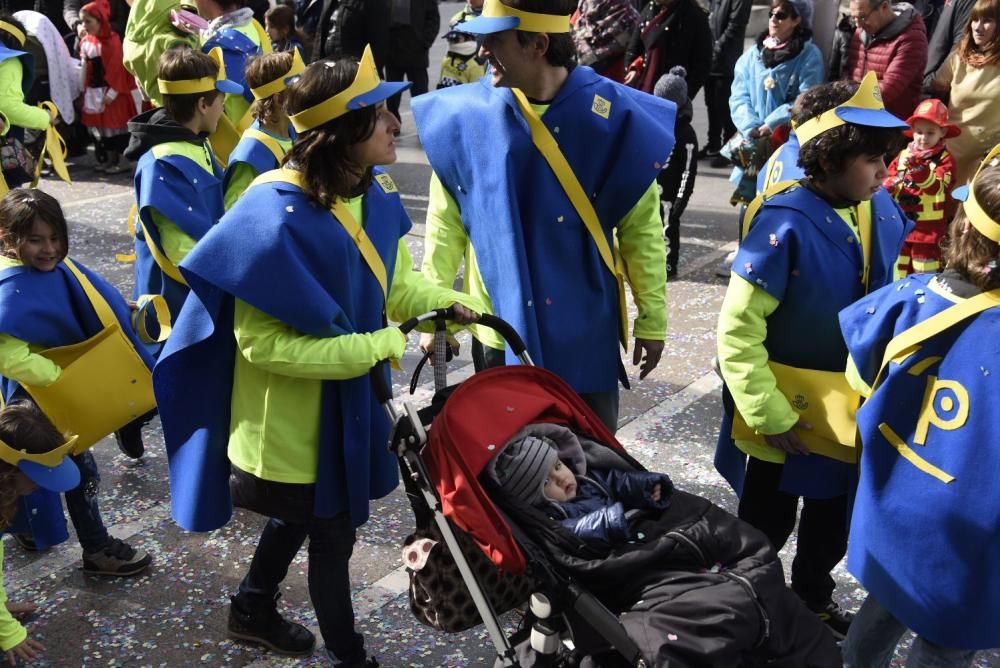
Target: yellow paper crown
<point x="51" y="459"/>
<point x="202" y="85"/>
<point x="527" y="21"/>
<point x="867" y="96"/>
<point x="280" y="84"/>
<point x="13" y="30"/>
<point x="981" y="220"/>
<point x="365" y="80"/>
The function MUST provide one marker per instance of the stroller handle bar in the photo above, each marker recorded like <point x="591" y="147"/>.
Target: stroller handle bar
<point x="383" y="391"/>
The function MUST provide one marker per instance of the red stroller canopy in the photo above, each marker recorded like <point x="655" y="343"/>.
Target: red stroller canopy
<point x="478" y="419"/>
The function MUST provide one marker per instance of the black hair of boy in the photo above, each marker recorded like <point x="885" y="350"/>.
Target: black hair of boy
<point x="561" y="51"/>
<point x="830" y="152"/>
<point x="9" y="40"/>
<point x="181" y="63"/>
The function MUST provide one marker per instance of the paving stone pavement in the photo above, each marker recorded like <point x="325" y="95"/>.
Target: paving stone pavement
<point x="175" y="615"/>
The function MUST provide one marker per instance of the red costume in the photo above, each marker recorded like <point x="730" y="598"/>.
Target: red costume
<point x="104" y="75"/>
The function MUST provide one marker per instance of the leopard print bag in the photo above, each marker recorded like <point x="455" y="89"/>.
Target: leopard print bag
<point x="439" y="597"/>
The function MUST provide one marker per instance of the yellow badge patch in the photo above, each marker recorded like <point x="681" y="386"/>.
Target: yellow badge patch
<point x="388" y="185"/>
<point x="601" y="106"/>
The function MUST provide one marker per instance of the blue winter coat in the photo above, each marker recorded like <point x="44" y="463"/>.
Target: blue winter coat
<point x="596" y="515"/>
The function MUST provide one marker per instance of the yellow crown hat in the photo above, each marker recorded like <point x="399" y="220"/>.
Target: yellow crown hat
<point x="188" y="86"/>
<point x="974" y="211"/>
<point x="497" y="17"/>
<point x="13" y="30"/>
<point x="281" y="83"/>
<point x="366" y="89"/>
<point x="52" y="470"/>
<point x="865" y="107"/>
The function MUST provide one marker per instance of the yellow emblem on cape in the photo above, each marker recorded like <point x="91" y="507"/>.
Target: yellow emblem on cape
<point x="601" y="107"/>
<point x="388" y="185"/>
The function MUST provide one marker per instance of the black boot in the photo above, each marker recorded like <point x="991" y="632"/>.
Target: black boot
<point x="257" y="619"/>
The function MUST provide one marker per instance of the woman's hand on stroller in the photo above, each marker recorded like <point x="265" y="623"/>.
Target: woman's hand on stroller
<point x="464" y="315"/>
<point x="427" y="346"/>
<point x="789" y="441"/>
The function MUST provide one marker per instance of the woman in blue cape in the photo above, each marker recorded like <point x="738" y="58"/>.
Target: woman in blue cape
<point x="290" y="295"/>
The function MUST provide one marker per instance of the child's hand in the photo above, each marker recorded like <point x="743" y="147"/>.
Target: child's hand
<point x="655" y="494"/>
<point x="27" y="650"/>
<point x="20" y="610"/>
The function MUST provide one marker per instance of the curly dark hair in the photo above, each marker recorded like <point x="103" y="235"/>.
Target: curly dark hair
<point x="322" y="152"/>
<point x="23" y="427"/>
<point x="966" y="250"/>
<point x="830" y="152"/>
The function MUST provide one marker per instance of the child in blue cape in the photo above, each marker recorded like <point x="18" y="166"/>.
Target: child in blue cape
<point x="924" y="539"/>
<point x="264" y="144"/>
<point x="43" y="306"/>
<point x="812" y="249"/>
<point x="290" y="299"/>
<point x="33" y="455"/>
<point x="178" y="183"/>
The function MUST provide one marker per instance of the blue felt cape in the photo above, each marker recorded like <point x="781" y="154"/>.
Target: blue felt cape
<point x="237" y="49"/>
<point x="783" y="165"/>
<point x="539" y="263"/>
<point x="283" y="254"/>
<point x="189" y="197"/>
<point x="802" y="253"/>
<point x="928" y="550"/>
<point x="252" y="152"/>
<point x="50" y="309"/>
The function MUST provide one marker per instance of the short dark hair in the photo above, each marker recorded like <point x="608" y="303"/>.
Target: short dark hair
<point x="561" y="51"/>
<point x="7" y="38"/>
<point x="18" y="211"/>
<point x="263" y="70"/>
<point x="829" y="153"/>
<point x="181" y="63"/>
<point x="322" y="152"/>
<point x="281" y="16"/>
<point x="969" y="252"/>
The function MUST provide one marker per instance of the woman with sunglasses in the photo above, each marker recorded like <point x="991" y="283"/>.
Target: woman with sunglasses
<point x="783" y="63"/>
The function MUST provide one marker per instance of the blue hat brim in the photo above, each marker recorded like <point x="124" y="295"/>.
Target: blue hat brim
<point x="961" y="193"/>
<point x="230" y="87"/>
<point x="379" y="93"/>
<point x="487" y="25"/>
<point x="873" y="118"/>
<point x="61" y="478"/>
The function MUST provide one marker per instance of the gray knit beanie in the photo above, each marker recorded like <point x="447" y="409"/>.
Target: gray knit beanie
<point x="523" y="467"/>
<point x="673" y="86"/>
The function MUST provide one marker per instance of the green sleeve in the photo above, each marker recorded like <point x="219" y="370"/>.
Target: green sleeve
<point x="239" y="180"/>
<point x="445" y="240"/>
<point x="855" y="380"/>
<point x="6" y="125"/>
<point x="174" y="242"/>
<point x="12" y="633"/>
<point x="274" y="346"/>
<point x="743" y="358"/>
<point x="19" y="363"/>
<point x="412" y="294"/>
<point x="12" y="99"/>
<point x="640" y="242"/>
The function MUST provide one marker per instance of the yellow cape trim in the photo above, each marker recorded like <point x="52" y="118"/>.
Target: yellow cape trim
<point x="13" y="30"/>
<point x="366" y="80"/>
<point x="202" y="85"/>
<point x="981" y="220"/>
<point x="51" y="459"/>
<point x="278" y="85"/>
<point x="527" y="21"/>
<point x="867" y="96"/>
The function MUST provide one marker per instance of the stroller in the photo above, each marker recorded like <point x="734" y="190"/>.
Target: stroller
<point x="697" y="588"/>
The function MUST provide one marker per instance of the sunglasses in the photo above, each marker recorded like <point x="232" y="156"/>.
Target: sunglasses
<point x="779" y="16"/>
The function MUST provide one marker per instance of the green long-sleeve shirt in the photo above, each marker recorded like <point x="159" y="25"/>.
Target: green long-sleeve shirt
<point x="277" y="381"/>
<point x="19" y="360"/>
<point x="12" y="633"/>
<point x="12" y="99"/>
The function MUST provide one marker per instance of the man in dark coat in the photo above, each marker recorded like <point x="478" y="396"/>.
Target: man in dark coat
<point x="413" y="28"/>
<point x="946" y="36"/>
<point x="353" y="24"/>
<point x="670" y="33"/>
<point x="728" y="20"/>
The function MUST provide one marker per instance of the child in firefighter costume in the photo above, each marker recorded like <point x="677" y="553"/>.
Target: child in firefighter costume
<point x="287" y="315"/>
<point x="813" y="247"/>
<point x="924" y="539"/>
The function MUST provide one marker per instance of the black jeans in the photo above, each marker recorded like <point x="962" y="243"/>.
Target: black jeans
<point x="720" y="124"/>
<point x="605" y="404"/>
<point x="331" y="543"/>
<point x="82" y="506"/>
<point x="416" y="75"/>
<point x="823" y="527"/>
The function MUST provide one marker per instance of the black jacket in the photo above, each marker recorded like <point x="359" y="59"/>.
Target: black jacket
<point x="683" y="38"/>
<point x="155" y="127"/>
<point x="728" y="20"/>
<point x="947" y="35"/>
<point x="410" y="43"/>
<point x="355" y="23"/>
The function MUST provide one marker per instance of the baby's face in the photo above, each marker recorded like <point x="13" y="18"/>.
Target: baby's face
<point x="560" y="486"/>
